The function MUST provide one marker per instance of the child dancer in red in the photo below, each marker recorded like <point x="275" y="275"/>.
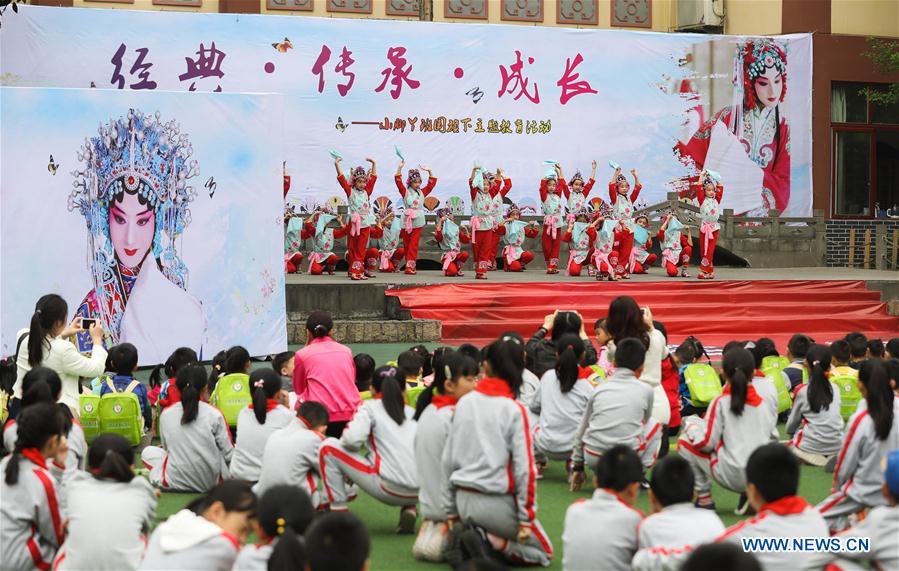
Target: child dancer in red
<point x="322" y="258"/>
<point x="677" y="247"/>
<point x="580" y="237"/>
<point x="294" y="233"/>
<point x="642" y="259"/>
<point x="605" y="257"/>
<point x="450" y="237"/>
<point x="502" y="185"/>
<point x="482" y="220"/>
<point x="389" y="233"/>
<point x="413" y="214"/>
<point x="552" y="187"/>
<point x="577" y="192"/>
<point x="361" y="216"/>
<point x="623" y="210"/>
<point x="515" y="258"/>
<point x="708" y="193"/>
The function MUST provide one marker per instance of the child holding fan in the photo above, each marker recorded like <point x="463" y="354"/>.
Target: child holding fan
<point x="708" y="193"/>
<point x="552" y="187"/>
<point x="577" y="192"/>
<point x="623" y="211"/>
<point x="361" y="216"/>
<point x="389" y="231"/>
<point x="605" y="258"/>
<point x="677" y="246"/>
<point x="580" y="237"/>
<point x="413" y="214"/>
<point x="450" y="237"/>
<point x="482" y="220"/>
<point x="502" y="185"/>
<point x="642" y="259"/>
<point x="514" y="232"/>
<point x="322" y="258"/>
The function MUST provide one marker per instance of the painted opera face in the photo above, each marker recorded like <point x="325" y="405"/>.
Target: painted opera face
<point x="132" y="225"/>
<point x="769" y="88"/>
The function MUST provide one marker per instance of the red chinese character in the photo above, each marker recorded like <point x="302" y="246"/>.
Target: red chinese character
<point x="569" y="82"/>
<point x="513" y="80"/>
<point x="400" y="75"/>
<point x="342" y="66"/>
<point x="319" y="67"/>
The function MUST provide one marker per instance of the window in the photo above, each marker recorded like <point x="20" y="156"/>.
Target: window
<point x="865" y="153"/>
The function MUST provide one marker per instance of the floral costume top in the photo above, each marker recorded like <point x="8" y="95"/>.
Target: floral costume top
<point x="358" y="203"/>
<point x="642" y="243"/>
<point x="553" y="206"/>
<point x="117" y="292"/>
<point x="623" y="205"/>
<point x="514" y="233"/>
<point x="413" y="201"/>
<point x="577" y="200"/>
<point x="580" y="239"/>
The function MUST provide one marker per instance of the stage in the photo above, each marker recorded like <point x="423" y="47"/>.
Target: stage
<point x="741" y="303"/>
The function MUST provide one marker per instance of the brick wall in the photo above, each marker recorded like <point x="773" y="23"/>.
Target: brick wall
<point x="838" y="240"/>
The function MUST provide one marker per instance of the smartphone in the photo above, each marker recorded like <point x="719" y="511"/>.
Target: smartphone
<point x="87" y="323"/>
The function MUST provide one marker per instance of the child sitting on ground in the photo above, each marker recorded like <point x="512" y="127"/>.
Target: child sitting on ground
<point x="283" y="363"/>
<point x="797" y="349"/>
<point x="123" y="362"/>
<point x="365" y="369"/>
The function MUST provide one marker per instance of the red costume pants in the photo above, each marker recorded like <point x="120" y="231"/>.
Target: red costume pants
<point x="481" y="248"/>
<point x="292" y="262"/>
<point x="682" y="262"/>
<point x="707" y="251"/>
<point x="640" y="268"/>
<point x="519" y="264"/>
<point x="356" y="246"/>
<point x="373" y="260"/>
<point x="624" y="242"/>
<point x="410" y="244"/>
<point x="316" y="269"/>
<point x="607" y="268"/>
<point x="494" y="248"/>
<point x="551" y="247"/>
<point x="455" y="267"/>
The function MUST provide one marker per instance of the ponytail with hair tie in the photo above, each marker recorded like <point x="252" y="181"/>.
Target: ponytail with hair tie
<point x="820" y="391"/>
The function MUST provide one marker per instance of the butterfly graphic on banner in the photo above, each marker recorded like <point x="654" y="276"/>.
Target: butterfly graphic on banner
<point x="340" y="125"/>
<point x="283" y="46"/>
<point x="52" y="167"/>
<point x="210" y="186"/>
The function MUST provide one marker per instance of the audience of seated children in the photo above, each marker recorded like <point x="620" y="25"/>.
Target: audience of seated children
<point x="283" y="514"/>
<point x="291" y="454"/>
<point x="257" y="422"/>
<point x="602" y="531"/>
<point x="207" y="534"/>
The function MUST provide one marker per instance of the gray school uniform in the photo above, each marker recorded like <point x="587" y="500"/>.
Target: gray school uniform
<point x="75" y="460"/>
<point x="430" y="440"/>
<point x="858" y="476"/>
<point x="291" y="457"/>
<point x="196" y="454"/>
<point x="188" y="541"/>
<point x="619" y="412"/>
<point x="881" y="527"/>
<point x="108" y="521"/>
<point x="677" y="525"/>
<point x="254" y="557"/>
<point x="600" y="533"/>
<point x="246" y="463"/>
<point x="815" y="432"/>
<point x="30" y="515"/>
<point x="559" y="413"/>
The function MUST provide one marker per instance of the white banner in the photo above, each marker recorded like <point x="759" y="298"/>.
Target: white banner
<point x="449" y="95"/>
<point x="159" y="214"/>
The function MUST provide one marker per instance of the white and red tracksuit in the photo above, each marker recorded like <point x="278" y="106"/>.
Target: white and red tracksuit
<point x="623" y="210"/>
<point x="577" y="201"/>
<point x="388" y="257"/>
<point x="600" y="533"/>
<point x="322" y="258"/>
<point x="815" y="432"/>
<point x="718" y="446"/>
<point x="482" y="224"/>
<point x="31" y="516"/>
<point x="190" y="541"/>
<point x="788" y="517"/>
<point x="246" y="462"/>
<point x="678" y="525"/>
<point x="291" y="456"/>
<point x="503" y="187"/>
<point x="580" y="242"/>
<point x="553" y="221"/>
<point x="881" y="527"/>
<point x="361" y="220"/>
<point x="709" y="212"/>
<point x="413" y="217"/>
<point x="453" y="257"/>
<point x="858" y="475"/>
<point x="492" y="477"/>
<point x="559" y="414"/>
<point x="388" y="473"/>
<point x="516" y="258"/>
<point x="676" y="251"/>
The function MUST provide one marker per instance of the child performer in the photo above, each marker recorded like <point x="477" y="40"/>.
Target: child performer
<point x="552" y="187"/>
<point x="623" y="210"/>
<point x="642" y="243"/>
<point x="580" y="237"/>
<point x="515" y="258"/>
<point x="389" y="231"/>
<point x="450" y="237"/>
<point x="482" y="220"/>
<point x="502" y="185"/>
<point x="577" y="192"/>
<point x="413" y="213"/>
<point x="294" y="233"/>
<point x="708" y="193"/>
<point x="322" y="258"/>
<point x="361" y="217"/>
<point x="676" y="247"/>
<point x="605" y="258"/>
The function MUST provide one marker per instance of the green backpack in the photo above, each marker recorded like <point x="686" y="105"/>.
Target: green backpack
<point x="120" y="413"/>
<point x="784" y="398"/>
<point x="89" y="415"/>
<point x="849" y="393"/>
<point x="412" y="394"/>
<point x="773" y="363"/>
<point x="703" y="383"/>
<point x="232" y="395"/>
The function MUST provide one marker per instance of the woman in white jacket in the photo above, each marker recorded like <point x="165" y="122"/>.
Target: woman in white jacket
<point x="46" y="343"/>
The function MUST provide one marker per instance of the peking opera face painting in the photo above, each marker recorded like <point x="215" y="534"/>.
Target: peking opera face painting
<point x="133" y="190"/>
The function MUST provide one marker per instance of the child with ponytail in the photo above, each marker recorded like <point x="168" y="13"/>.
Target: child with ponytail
<point x="388" y="473"/>
<point x="256" y="423"/>
<point x="455" y="375"/>
<point x="110" y="511"/>
<point x="196" y="442"/>
<point x="165" y="393"/>
<point x="815" y="424"/>
<point x="32" y="522"/>
<point x="737" y="422"/>
<point x="560" y="402"/>
<point x="282" y="516"/>
<point x="871" y="433"/>
<point x="490" y="459"/>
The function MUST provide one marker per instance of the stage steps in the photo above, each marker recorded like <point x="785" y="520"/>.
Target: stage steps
<point x="715" y="312"/>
